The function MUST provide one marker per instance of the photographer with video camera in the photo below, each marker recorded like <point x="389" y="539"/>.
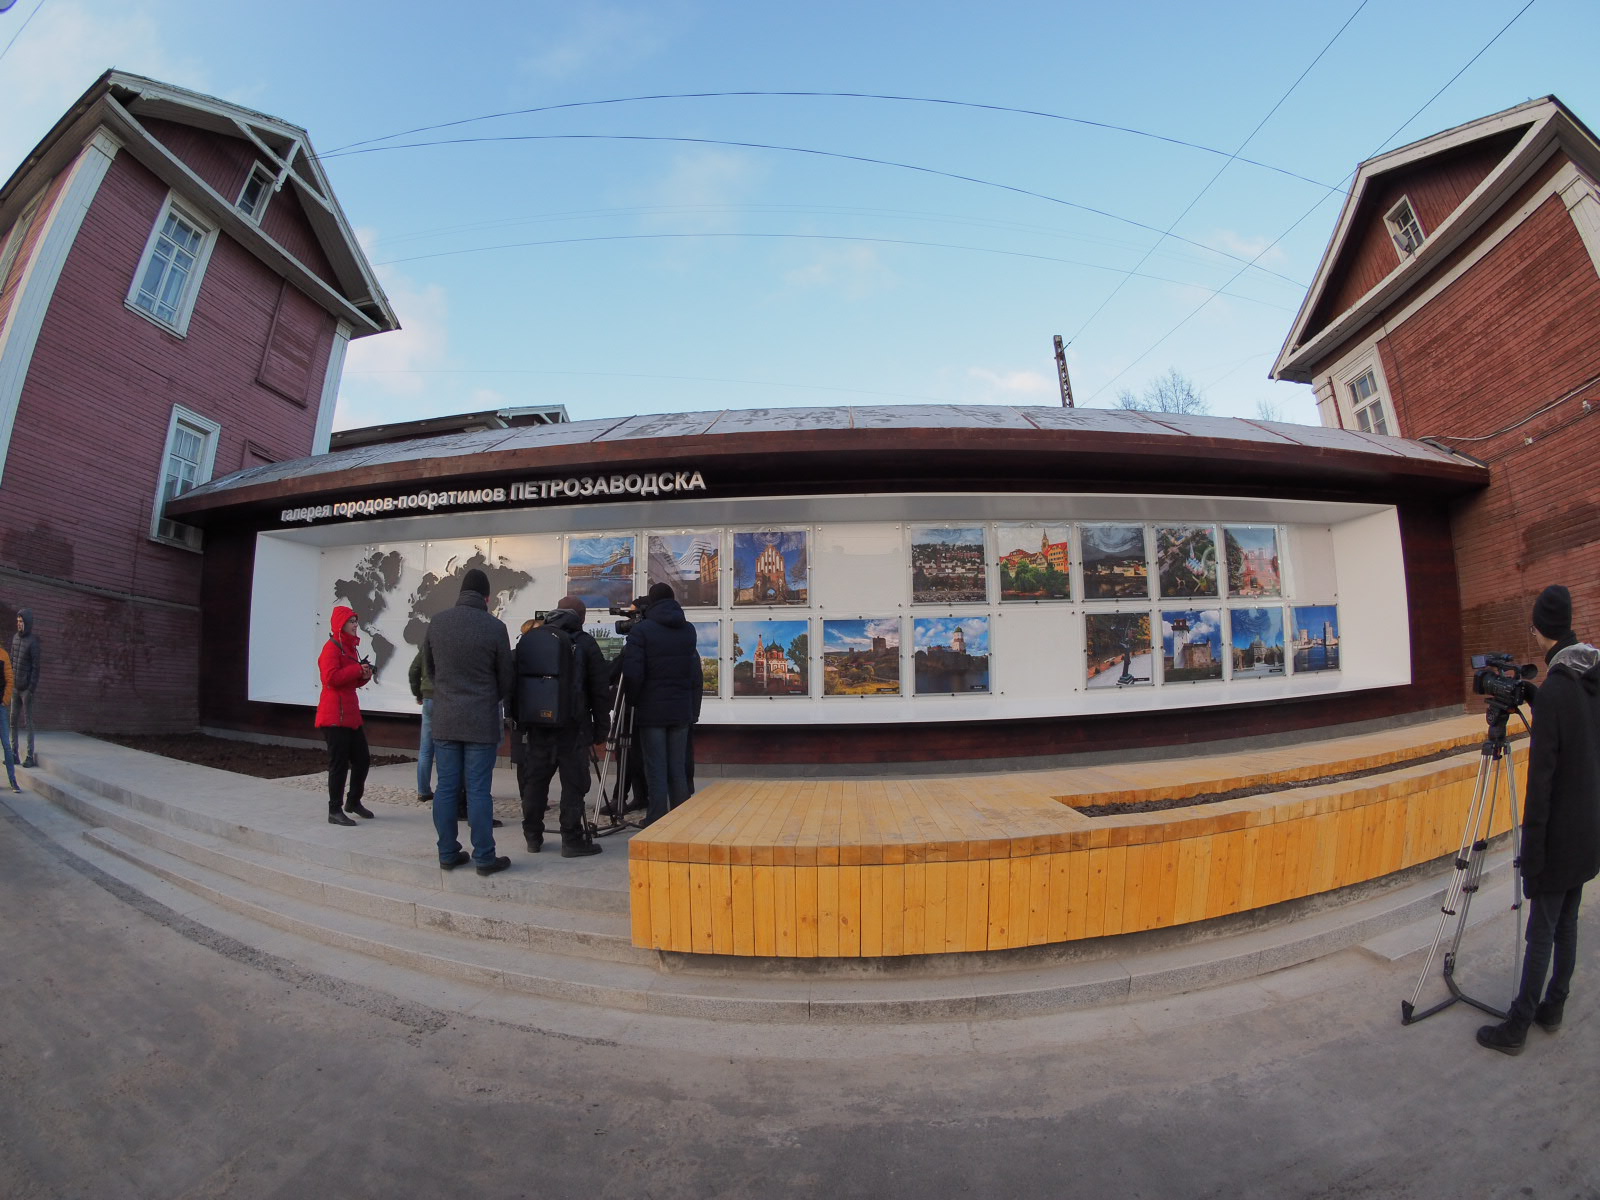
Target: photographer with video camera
<point x="1560" y="820"/>
<point x="561" y="706"/>
<point x="661" y="663"/>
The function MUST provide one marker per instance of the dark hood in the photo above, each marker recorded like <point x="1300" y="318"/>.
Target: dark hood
<point x="565" y="620"/>
<point x="666" y="612"/>
<point x="27" y="620"/>
<point x="1582" y="662"/>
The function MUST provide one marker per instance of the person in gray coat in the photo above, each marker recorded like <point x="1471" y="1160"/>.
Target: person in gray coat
<point x="25" y="662"/>
<point x="467" y="654"/>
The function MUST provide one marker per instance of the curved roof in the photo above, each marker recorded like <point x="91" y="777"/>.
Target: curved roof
<point x="902" y="447"/>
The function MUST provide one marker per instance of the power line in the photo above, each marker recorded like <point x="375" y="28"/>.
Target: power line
<point x="819" y="237"/>
<point x="1002" y="108"/>
<point x="20" y="28"/>
<point x="1226" y="283"/>
<point x="862" y="158"/>
<point x="1225" y="165"/>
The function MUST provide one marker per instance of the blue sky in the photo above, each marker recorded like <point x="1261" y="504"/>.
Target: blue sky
<point x="690" y="274"/>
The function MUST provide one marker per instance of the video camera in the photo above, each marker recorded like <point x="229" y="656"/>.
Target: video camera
<point x="630" y="614"/>
<point x="1502" y="680"/>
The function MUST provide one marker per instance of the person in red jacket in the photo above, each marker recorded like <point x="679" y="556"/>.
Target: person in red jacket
<point x="339" y="717"/>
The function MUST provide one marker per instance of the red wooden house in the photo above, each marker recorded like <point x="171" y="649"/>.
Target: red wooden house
<point x="1458" y="302"/>
<point x="177" y="288"/>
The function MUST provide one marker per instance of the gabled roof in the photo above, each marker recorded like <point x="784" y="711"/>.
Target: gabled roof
<point x="1539" y="127"/>
<point x="120" y="103"/>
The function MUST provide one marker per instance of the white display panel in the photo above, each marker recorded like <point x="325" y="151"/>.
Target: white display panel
<point x="859" y="566"/>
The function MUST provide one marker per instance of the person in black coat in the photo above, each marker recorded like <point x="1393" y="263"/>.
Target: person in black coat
<point x="1560" y="821"/>
<point x="661" y="662"/>
<point x="547" y="749"/>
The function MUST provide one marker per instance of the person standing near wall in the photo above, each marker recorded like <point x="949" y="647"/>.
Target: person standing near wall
<point x="467" y="654"/>
<point x="25" y="661"/>
<point x="422" y="688"/>
<point x="9" y="687"/>
<point x="661" y="662"/>
<point x="339" y="716"/>
<point x="1560" y="821"/>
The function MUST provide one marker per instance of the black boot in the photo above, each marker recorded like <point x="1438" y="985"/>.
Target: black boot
<point x="1508" y="1037"/>
<point x="579" y="845"/>
<point x="1548" y="1015"/>
<point x="335" y="817"/>
<point x="360" y="810"/>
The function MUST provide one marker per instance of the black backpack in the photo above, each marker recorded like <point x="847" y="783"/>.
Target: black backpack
<point x="546" y="669"/>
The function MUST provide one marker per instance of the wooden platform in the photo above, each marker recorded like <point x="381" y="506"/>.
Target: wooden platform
<point x="869" y="868"/>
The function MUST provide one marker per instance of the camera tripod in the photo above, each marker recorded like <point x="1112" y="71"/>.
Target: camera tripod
<point x="614" y="803"/>
<point x="1496" y="763"/>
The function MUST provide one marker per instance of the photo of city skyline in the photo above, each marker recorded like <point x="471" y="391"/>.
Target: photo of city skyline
<point x="947" y="565"/>
<point x="1115" y="566"/>
<point x="1315" y="639"/>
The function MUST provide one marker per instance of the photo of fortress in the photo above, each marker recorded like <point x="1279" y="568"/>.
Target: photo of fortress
<point x="861" y="657"/>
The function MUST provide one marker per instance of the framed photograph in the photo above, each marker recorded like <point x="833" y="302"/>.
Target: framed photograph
<point x="1118" y="649"/>
<point x="947" y="565"/>
<point x="771" y="658"/>
<point x="952" y="655"/>
<point x="1035" y="561"/>
<point x="689" y="563"/>
<point x="1191" y="645"/>
<point x="1256" y="637"/>
<point x="861" y="657"/>
<point x="1315" y="637"/>
<point x="708" y="643"/>
<point x="1186" y="561"/>
<point x="771" y="567"/>
<point x="1252" y="560"/>
<point x="1115" y="566"/>
<point x="600" y="570"/>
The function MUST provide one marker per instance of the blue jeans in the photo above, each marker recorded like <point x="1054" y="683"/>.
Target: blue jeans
<point x="425" y="751"/>
<point x="21" y="714"/>
<point x="5" y="738"/>
<point x="665" y="749"/>
<point x="475" y="760"/>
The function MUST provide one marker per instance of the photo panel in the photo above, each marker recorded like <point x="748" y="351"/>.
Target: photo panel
<point x="1118" y="649"/>
<point x="1252" y="552"/>
<point x="1256" y="638"/>
<point x="1115" y="565"/>
<point x="1191" y="645"/>
<point x="947" y="564"/>
<point x="689" y="563"/>
<point x="600" y="570"/>
<point x="861" y="657"/>
<point x="771" y="567"/>
<point x="708" y="644"/>
<point x="951" y="655"/>
<point x="1315" y="637"/>
<point x="1035" y="560"/>
<point x="1186" y="561"/>
<point x="771" y="658"/>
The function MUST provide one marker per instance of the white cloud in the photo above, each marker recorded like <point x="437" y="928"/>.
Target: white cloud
<point x="62" y="51"/>
<point x="1001" y="385"/>
<point x="700" y="191"/>
<point x="390" y="371"/>
<point x="1247" y="246"/>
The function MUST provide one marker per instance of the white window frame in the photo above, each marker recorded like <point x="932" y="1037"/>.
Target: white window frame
<point x="1405" y="227"/>
<point x="178" y="322"/>
<point x="15" y="236"/>
<point x="268" y="182"/>
<point x="172" y="533"/>
<point x="1345" y="380"/>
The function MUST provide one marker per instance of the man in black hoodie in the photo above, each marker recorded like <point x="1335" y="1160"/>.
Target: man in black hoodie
<point x="547" y="749"/>
<point x="1560" y="820"/>
<point x="25" y="662"/>
<point x="661" y="663"/>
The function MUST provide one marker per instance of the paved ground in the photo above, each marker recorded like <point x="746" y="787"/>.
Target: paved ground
<point x="145" y="1056"/>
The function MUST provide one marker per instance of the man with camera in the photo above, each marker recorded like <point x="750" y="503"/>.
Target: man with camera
<point x="1560" y="821"/>
<point x="561" y="708"/>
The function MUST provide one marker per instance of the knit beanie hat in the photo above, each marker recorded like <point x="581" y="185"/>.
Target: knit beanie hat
<point x="1552" y="612"/>
<point x="661" y="591"/>
<point x="475" y="581"/>
<point x="573" y="604"/>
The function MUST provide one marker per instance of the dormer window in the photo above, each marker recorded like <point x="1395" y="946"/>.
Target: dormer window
<point x="256" y="192"/>
<point x="1404" y="228"/>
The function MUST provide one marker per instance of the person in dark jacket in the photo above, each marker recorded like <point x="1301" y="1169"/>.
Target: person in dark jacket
<point x="661" y="663"/>
<point x="25" y="662"/>
<point x="547" y="749"/>
<point x="339" y="716"/>
<point x="1560" y="821"/>
<point x="467" y="654"/>
<point x="422" y="689"/>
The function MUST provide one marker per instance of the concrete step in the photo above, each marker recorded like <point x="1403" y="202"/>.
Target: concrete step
<point x="429" y="905"/>
<point x="251" y="814"/>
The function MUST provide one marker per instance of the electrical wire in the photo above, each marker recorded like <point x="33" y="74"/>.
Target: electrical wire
<point x="1002" y="108"/>
<point x="20" y="28"/>
<point x="1518" y="424"/>
<point x="1320" y="202"/>
<point x="861" y="158"/>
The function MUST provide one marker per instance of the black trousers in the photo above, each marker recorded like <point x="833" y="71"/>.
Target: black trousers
<point x="1552" y="934"/>
<point x="347" y="756"/>
<point x="545" y="752"/>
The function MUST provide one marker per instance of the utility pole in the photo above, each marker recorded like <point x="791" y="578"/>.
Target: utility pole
<point x="1061" y="372"/>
